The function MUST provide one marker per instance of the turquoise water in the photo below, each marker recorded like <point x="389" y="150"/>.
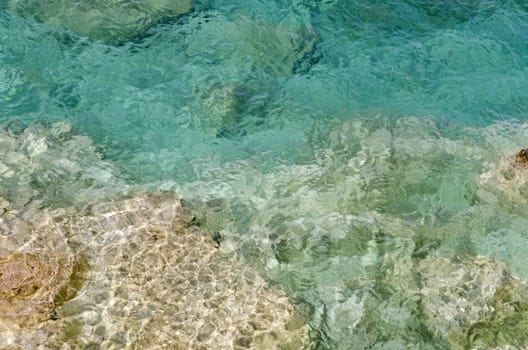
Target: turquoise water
<point x="337" y="146"/>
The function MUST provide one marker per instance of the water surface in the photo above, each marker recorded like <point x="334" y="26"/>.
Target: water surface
<point x="337" y="146"/>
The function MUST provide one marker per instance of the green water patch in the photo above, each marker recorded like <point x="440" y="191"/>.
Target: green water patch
<point x="394" y="56"/>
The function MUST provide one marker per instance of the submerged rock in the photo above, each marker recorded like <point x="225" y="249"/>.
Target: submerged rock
<point x="113" y="21"/>
<point x="52" y="166"/>
<point x="220" y="107"/>
<point x="521" y="157"/>
<point x="156" y="281"/>
<point x="251" y="45"/>
<point x="347" y="233"/>
<point x="228" y="109"/>
<point x="245" y="55"/>
<point x="475" y="303"/>
<point x="471" y="302"/>
<point x="32" y="286"/>
<point x="505" y="184"/>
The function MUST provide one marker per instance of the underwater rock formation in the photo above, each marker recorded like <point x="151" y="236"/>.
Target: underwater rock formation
<point x="474" y="302"/>
<point x="471" y="302"/>
<point x="112" y="21"/>
<point x="243" y="51"/>
<point x="521" y="157"/>
<point x="505" y="184"/>
<point x="347" y="232"/>
<point x="398" y="214"/>
<point x="32" y="286"/>
<point x="53" y="167"/>
<point x="220" y="106"/>
<point x="154" y="281"/>
<point x="252" y="45"/>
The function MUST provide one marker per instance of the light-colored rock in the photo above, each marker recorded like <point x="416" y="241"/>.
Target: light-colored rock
<point x="475" y="303"/>
<point x="110" y="20"/>
<point x="32" y="286"/>
<point x="505" y="184"/>
<point x="53" y="167"/>
<point x="156" y="282"/>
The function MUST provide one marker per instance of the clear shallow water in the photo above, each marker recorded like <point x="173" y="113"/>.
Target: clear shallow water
<point x="327" y="142"/>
